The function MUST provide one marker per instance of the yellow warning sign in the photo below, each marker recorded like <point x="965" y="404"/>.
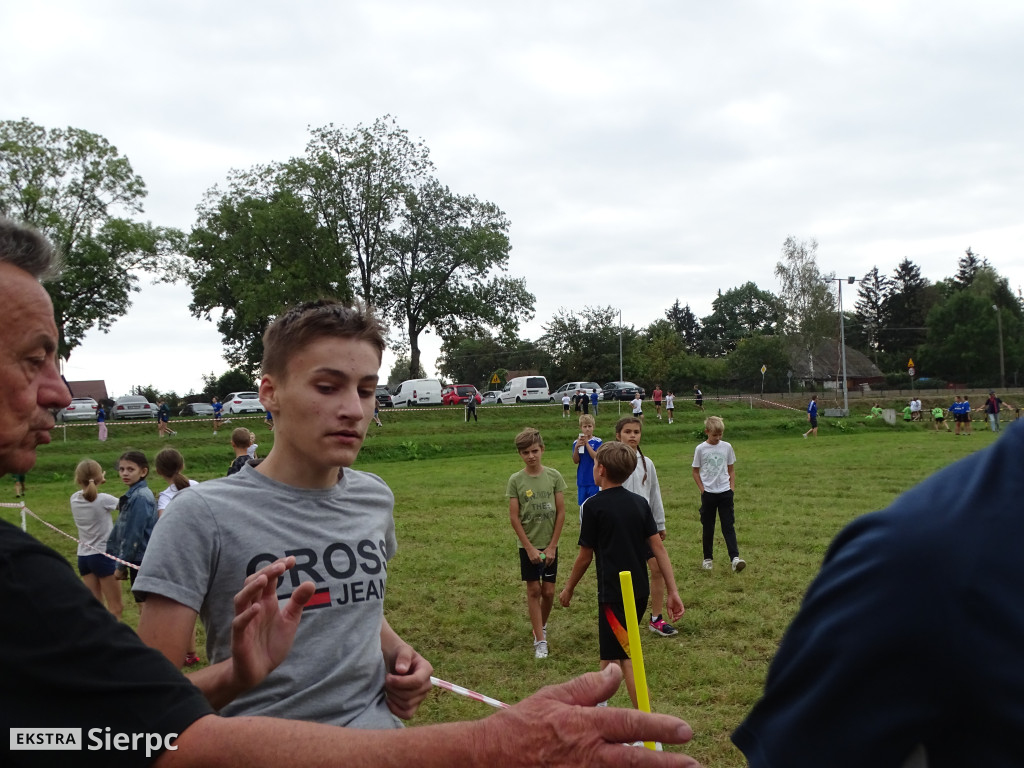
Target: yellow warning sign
<point x="495" y="379"/>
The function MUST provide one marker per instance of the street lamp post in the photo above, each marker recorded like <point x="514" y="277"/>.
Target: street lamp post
<point x="842" y="340"/>
<point x="1002" y="364"/>
<point x="619" y="402"/>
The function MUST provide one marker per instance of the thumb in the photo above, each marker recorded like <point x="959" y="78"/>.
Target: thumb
<point x="403" y="659"/>
<point x="589" y="689"/>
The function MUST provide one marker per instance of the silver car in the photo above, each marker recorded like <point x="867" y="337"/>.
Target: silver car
<point x="133" y="407"/>
<point x="243" y="402"/>
<point x="80" y="409"/>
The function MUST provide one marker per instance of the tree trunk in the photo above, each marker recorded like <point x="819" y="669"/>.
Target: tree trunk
<point x="414" y="351"/>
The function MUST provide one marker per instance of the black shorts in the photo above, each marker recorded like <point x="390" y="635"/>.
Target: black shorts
<point x="699" y="401"/>
<point x="611" y="626"/>
<point x="814" y="422"/>
<point x="544" y="571"/>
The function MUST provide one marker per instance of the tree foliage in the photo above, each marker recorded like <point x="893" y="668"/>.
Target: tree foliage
<point x="686" y="325"/>
<point x="256" y="250"/>
<point x="78" y="189"/>
<point x="870" y="309"/>
<point x="738" y="314"/>
<point x="444" y="257"/>
<point x="807" y="296"/>
<point x="584" y="345"/>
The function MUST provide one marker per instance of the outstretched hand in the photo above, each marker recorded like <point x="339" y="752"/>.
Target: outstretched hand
<point x="560" y="726"/>
<point x="262" y="633"/>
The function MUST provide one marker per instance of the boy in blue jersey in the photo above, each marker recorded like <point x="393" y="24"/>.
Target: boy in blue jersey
<point x="584" y="449"/>
<point x="812" y="416"/>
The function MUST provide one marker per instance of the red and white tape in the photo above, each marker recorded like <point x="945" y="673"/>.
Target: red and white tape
<point x="24" y="526"/>
<point x="439" y="683"/>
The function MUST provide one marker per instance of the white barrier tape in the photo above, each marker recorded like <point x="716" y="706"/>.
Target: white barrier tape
<point x="25" y="509"/>
<point x="151" y="421"/>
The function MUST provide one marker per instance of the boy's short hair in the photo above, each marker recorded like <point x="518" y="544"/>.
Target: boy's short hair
<point x="618" y="460"/>
<point x="587" y="419"/>
<point x="300" y="326"/>
<point x="240" y="437"/>
<point x="713" y="425"/>
<point x="528" y="437"/>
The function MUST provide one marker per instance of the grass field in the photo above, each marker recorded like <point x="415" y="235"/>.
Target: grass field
<point x="453" y="588"/>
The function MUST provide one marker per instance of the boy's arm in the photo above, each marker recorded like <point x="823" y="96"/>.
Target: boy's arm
<point x="261" y="633"/>
<point x="696" y="479"/>
<point x="407" y="681"/>
<point x="675" y="604"/>
<point x="586" y="554"/>
<point x="576" y="451"/>
<point x="732" y="477"/>
<point x="551" y="551"/>
<point x="513" y="515"/>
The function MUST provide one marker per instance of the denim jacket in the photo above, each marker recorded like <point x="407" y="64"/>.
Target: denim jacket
<point x="135" y="521"/>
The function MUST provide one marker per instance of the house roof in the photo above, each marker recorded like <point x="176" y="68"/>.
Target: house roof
<point x="96" y="389"/>
<point x="827" y="363"/>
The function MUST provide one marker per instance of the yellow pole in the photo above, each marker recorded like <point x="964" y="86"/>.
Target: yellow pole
<point x="636" y="652"/>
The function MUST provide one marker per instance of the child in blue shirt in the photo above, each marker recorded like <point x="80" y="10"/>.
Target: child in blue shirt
<point x="584" y="449"/>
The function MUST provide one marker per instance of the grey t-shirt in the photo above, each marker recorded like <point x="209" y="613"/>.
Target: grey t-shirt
<point x="226" y="529"/>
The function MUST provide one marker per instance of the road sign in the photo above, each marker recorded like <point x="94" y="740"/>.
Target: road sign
<point x="763" y="369"/>
<point x="910" y="370"/>
<point x="910" y="363"/>
<point x="495" y="379"/>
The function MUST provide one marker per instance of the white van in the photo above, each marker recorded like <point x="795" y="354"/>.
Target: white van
<point x="524" y="389"/>
<point x="417" y="392"/>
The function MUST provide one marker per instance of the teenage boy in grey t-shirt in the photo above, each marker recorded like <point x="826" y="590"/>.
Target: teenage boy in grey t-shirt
<point x="347" y="666"/>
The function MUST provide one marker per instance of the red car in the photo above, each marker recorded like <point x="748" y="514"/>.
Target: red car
<point x="458" y="394"/>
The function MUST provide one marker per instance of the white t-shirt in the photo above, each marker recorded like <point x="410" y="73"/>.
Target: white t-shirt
<point x="638" y="406"/>
<point x="251" y="450"/>
<point x="714" y="461"/>
<point x="670" y="402"/>
<point x="94" y="521"/>
<point x="165" y="496"/>
<point x="566" y="400"/>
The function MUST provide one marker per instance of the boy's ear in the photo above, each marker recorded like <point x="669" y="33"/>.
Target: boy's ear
<point x="268" y="393"/>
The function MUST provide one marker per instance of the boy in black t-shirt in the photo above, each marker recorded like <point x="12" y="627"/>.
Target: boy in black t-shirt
<point x="617" y="526"/>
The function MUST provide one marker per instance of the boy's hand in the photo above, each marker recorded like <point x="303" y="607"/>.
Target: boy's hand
<point x="675" y="606"/>
<point x="550" y="553"/>
<point x="565" y="597"/>
<point x="534" y="554"/>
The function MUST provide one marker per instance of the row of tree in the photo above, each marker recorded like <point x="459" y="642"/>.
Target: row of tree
<point x="964" y="329"/>
<point x="360" y="215"/>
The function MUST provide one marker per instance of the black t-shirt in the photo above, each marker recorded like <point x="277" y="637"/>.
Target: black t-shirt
<point x="617" y="524"/>
<point x="65" y="662"/>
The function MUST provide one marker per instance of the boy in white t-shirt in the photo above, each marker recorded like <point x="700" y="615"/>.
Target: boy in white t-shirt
<point x="714" y="472"/>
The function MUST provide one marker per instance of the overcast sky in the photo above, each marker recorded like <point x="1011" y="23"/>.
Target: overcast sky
<point x="643" y="151"/>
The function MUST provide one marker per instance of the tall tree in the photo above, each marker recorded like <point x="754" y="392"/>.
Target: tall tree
<point x="257" y="249"/>
<point x="584" y="345"/>
<point x="77" y="188"/>
<point x="807" y="296"/>
<point x="738" y="314"/>
<point x="967" y="268"/>
<point x="906" y="309"/>
<point x="870" y="308"/>
<point x="686" y="325"/>
<point x="357" y="180"/>
<point x="446" y="261"/>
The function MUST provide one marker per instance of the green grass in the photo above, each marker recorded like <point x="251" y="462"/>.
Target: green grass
<point x="453" y="587"/>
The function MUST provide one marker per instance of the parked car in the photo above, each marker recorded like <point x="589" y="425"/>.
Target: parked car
<point x="243" y="402"/>
<point x="459" y="394"/>
<point x="384" y="399"/>
<point x="572" y="387"/>
<point x="525" y="389"/>
<point x="490" y="397"/>
<point x="80" y="409"/>
<point x="197" y="409"/>
<point x="621" y="390"/>
<point x="417" y="392"/>
<point x="133" y="407"/>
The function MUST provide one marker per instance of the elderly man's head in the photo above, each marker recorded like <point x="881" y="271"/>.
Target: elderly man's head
<point x="30" y="384"/>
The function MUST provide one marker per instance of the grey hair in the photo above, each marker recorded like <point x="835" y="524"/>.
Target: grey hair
<point x="27" y="249"/>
